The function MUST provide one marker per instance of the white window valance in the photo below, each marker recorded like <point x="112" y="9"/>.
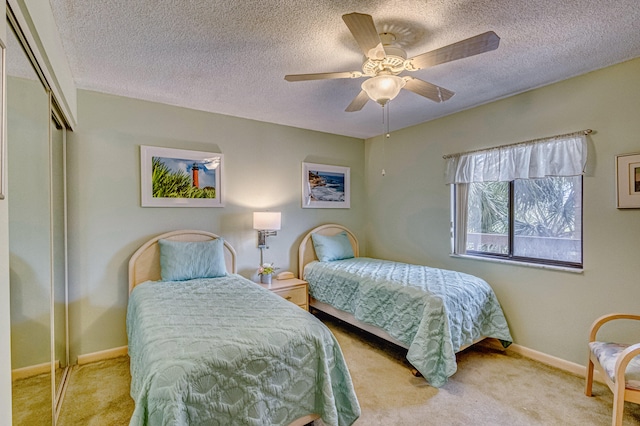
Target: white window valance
<point x="564" y="155"/>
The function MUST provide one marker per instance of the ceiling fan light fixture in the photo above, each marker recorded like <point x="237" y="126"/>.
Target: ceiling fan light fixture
<point x="383" y="88"/>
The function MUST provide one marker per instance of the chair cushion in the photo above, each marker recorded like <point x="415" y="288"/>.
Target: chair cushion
<point x="607" y="354"/>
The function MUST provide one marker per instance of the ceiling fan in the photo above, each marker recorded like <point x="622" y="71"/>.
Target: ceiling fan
<point x="384" y="61"/>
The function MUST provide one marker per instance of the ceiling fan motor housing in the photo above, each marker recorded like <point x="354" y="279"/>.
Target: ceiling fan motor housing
<point x="392" y="63"/>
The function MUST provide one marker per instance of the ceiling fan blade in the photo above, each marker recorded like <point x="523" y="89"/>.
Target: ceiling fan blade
<point x="323" y="76"/>
<point x="428" y="90"/>
<point x="364" y="31"/>
<point x="358" y="102"/>
<point x="481" y="43"/>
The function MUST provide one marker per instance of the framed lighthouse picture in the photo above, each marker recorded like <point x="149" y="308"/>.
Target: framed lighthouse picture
<point x="180" y="178"/>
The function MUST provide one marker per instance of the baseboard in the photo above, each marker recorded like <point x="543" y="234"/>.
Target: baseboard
<point x="102" y="355"/>
<point x="34" y="370"/>
<point x="30" y="371"/>
<point x="562" y="364"/>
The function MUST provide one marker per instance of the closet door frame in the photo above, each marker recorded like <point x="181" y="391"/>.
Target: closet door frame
<point x="58" y="388"/>
<point x="5" y="317"/>
<point x="3" y="102"/>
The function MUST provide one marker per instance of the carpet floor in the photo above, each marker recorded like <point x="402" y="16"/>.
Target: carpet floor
<point x="491" y="387"/>
<point x="31" y="401"/>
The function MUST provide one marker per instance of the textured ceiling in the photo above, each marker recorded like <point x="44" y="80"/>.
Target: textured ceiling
<point x="230" y="57"/>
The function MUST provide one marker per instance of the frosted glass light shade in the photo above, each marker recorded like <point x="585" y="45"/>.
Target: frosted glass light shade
<point x="266" y="221"/>
<point x="383" y="88"/>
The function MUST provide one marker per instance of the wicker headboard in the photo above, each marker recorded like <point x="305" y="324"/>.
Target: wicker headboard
<point x="306" y="252"/>
<point x="144" y="264"/>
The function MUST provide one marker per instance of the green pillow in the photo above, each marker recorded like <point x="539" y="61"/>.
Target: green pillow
<point x="181" y="260"/>
<point x="335" y="247"/>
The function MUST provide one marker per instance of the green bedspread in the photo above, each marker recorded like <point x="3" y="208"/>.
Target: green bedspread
<point x="225" y="351"/>
<point x="434" y="312"/>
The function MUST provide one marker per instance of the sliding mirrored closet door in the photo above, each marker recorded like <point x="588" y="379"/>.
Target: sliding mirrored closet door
<point x="37" y="240"/>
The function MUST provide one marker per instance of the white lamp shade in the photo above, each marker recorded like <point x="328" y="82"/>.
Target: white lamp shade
<point x="383" y="88"/>
<point x="266" y="221"/>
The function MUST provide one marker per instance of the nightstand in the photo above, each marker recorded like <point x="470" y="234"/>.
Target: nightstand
<point x="294" y="290"/>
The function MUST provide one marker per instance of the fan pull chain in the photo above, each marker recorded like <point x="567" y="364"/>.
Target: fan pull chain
<point x="387" y="136"/>
<point x="384" y="142"/>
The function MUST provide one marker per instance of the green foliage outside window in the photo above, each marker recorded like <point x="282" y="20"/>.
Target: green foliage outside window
<point x="546" y="218"/>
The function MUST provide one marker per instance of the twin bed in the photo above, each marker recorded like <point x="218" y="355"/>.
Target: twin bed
<point x="433" y="313"/>
<point x="208" y="346"/>
<point x="211" y="347"/>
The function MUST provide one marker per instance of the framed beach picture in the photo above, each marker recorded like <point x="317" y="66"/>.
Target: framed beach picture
<point x="325" y="186"/>
<point x="628" y="179"/>
<point x="180" y="178"/>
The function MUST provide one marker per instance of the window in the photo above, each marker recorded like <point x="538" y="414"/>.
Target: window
<point x="521" y="203"/>
<point x="544" y="224"/>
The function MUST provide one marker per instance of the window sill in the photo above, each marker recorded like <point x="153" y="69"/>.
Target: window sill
<point x="514" y="263"/>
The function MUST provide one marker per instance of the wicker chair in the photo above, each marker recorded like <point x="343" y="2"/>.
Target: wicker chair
<point x="618" y="364"/>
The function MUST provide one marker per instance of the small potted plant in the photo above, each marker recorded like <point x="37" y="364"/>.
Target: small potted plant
<point x="266" y="271"/>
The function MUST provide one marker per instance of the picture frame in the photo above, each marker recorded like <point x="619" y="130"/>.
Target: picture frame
<point x="325" y="186"/>
<point x="182" y="178"/>
<point x="628" y="181"/>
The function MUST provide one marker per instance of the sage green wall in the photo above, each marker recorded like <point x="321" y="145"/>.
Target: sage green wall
<point x="262" y="170"/>
<point x="549" y="311"/>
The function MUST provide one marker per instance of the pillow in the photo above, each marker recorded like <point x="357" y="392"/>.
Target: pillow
<point x="336" y="247"/>
<point x="181" y="260"/>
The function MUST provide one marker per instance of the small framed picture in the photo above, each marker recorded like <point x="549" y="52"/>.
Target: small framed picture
<point x="180" y="178"/>
<point x="325" y="187"/>
<point x="628" y="179"/>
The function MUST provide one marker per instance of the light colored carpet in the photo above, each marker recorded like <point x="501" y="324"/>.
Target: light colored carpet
<point x="31" y="401"/>
<point x="98" y="395"/>
<point x="491" y="387"/>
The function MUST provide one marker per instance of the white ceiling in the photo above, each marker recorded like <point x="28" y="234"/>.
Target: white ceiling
<point x="230" y="56"/>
